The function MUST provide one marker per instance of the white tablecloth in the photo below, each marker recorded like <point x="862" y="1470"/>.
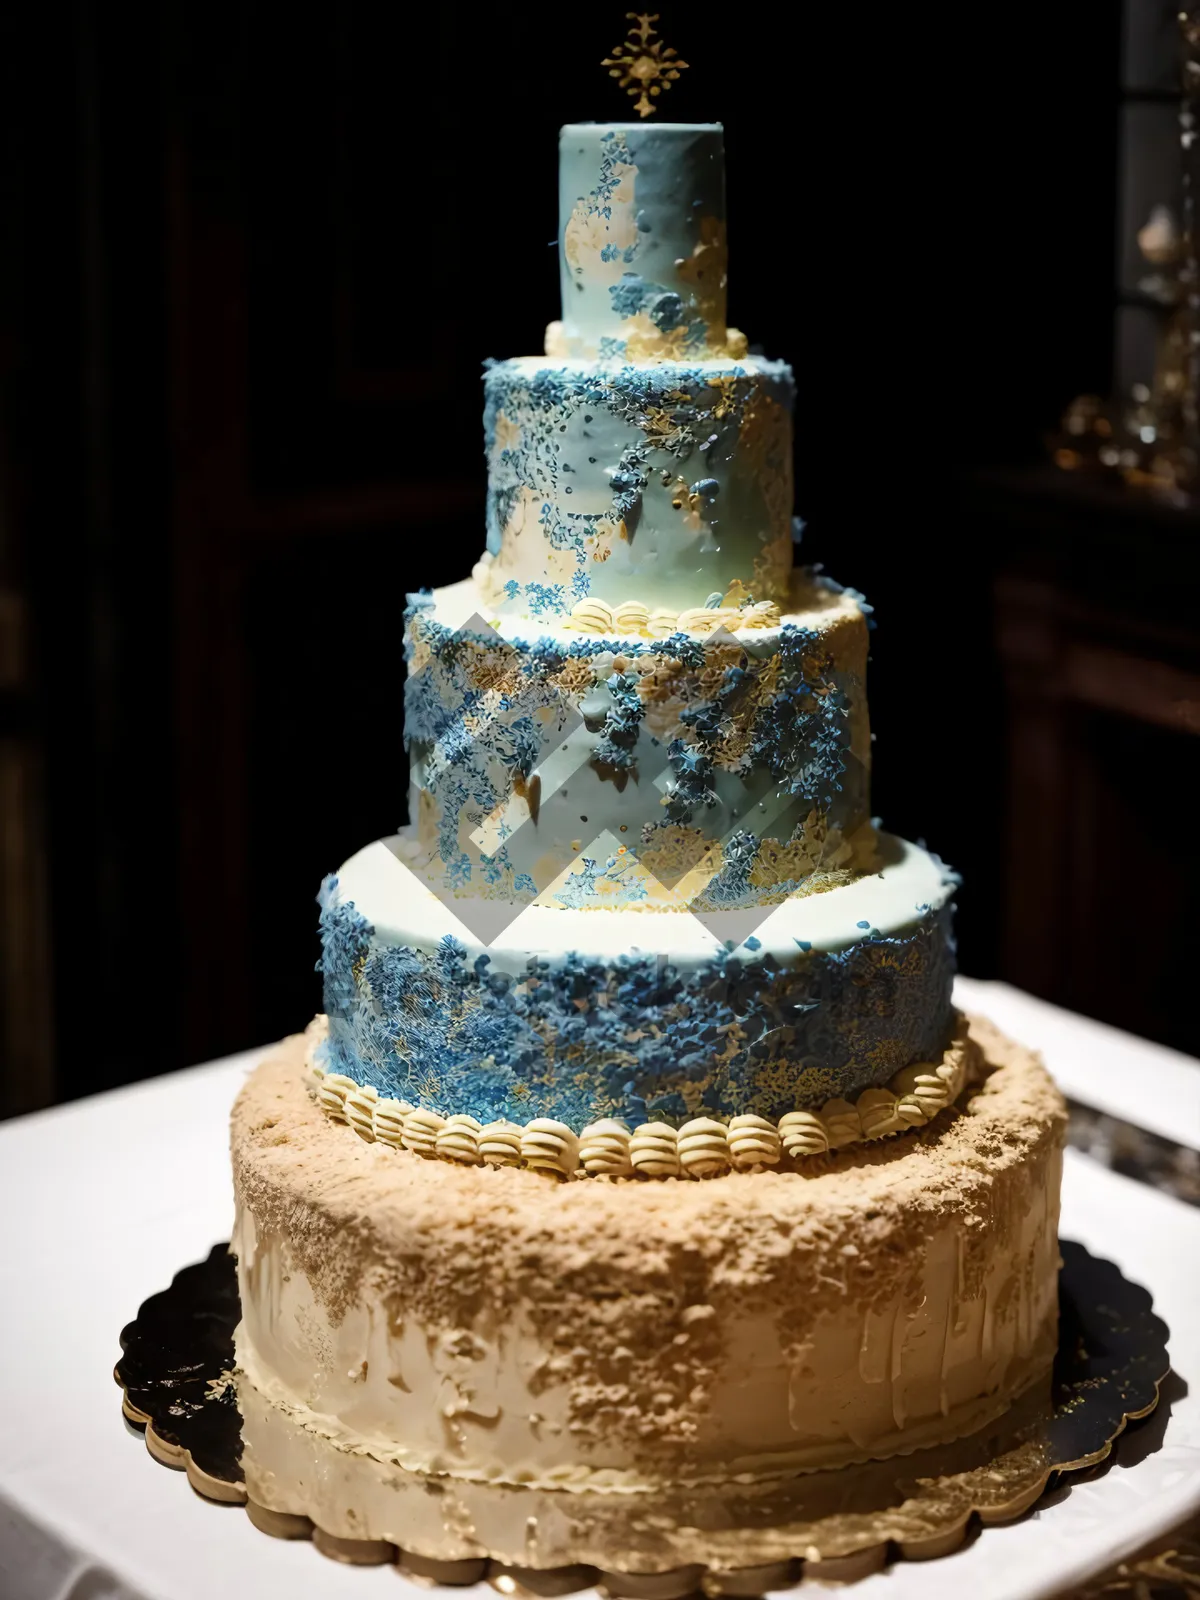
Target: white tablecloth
<point x="103" y="1200"/>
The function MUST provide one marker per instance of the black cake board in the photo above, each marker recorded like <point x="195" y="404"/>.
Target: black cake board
<point x="176" y="1376"/>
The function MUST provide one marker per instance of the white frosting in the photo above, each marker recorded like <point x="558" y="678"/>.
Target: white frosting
<point x="404" y="911"/>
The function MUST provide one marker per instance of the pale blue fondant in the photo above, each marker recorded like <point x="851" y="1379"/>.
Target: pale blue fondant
<point x="589" y="447"/>
<point x="446" y="1026"/>
<point x="626" y="255"/>
<point x="467" y="751"/>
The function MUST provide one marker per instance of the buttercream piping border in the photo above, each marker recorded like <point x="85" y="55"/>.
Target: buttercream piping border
<point x="657" y="622"/>
<point x="701" y="1148"/>
<point x="736" y="612"/>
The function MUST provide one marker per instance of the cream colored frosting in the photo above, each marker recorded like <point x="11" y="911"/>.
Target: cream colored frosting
<point x="604" y="1149"/>
<point x="407" y="1317"/>
<point x="359" y="1110"/>
<point x="421" y="1129"/>
<point x="703" y="1148"/>
<point x="500" y="1144"/>
<point x="549" y="1146"/>
<point x="632" y="618"/>
<point x="754" y="1142"/>
<point x="389" y="1121"/>
<point x="803" y="1133"/>
<point x="332" y="1092"/>
<point x="556" y="344"/>
<point x="698" y="1149"/>
<point x="458" y="1140"/>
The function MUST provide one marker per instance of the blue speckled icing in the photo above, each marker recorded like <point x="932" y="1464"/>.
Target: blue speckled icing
<point x="642" y="238"/>
<point x="661" y="484"/>
<point x="451" y="1028"/>
<point x="683" y="744"/>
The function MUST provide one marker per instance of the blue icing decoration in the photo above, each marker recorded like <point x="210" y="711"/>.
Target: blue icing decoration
<point x="653" y="200"/>
<point x="623" y="722"/>
<point x="614" y="463"/>
<point x="469" y="739"/>
<point x="578" y="1037"/>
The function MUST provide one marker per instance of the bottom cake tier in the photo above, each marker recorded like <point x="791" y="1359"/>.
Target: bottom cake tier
<point x="468" y="1360"/>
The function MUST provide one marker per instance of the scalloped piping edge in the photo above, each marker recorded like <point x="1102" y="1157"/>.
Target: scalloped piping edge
<point x="700" y="1148"/>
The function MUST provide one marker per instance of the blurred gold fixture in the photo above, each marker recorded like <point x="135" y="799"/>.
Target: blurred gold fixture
<point x="1153" y="440"/>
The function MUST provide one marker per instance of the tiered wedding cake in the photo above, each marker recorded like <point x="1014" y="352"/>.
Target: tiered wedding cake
<point x="641" y="1149"/>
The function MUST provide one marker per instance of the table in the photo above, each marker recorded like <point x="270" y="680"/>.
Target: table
<point x="103" y="1200"/>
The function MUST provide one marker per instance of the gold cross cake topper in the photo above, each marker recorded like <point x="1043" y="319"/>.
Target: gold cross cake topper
<point x="642" y="63"/>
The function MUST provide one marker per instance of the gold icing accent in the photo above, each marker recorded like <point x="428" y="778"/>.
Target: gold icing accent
<point x="645" y="342"/>
<point x="754" y="1142"/>
<point x="634" y="618"/>
<point x="360" y="1110"/>
<point x="704" y="619"/>
<point x="421" y="1129"/>
<point x="458" y="1140"/>
<point x="604" y="1149"/>
<point x="703" y="1148"/>
<point x="500" y="1144"/>
<point x="707" y="270"/>
<point x="643" y="64"/>
<point x="590" y="230"/>
<point x="654" y="1150"/>
<point x="549" y="1146"/>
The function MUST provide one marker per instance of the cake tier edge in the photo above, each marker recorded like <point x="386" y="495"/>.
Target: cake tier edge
<point x="430" y="1353"/>
<point x="576" y="1016"/>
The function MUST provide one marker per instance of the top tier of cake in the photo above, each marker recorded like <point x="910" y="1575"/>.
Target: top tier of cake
<point x="642" y="241"/>
<point x="644" y="462"/>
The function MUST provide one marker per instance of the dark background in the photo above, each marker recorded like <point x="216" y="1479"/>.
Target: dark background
<point x="253" y="257"/>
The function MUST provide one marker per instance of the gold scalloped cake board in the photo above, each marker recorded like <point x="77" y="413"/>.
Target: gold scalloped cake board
<point x="839" y="1525"/>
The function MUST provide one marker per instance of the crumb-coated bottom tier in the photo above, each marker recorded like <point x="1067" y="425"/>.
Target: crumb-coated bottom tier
<point x="454" y="1358"/>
